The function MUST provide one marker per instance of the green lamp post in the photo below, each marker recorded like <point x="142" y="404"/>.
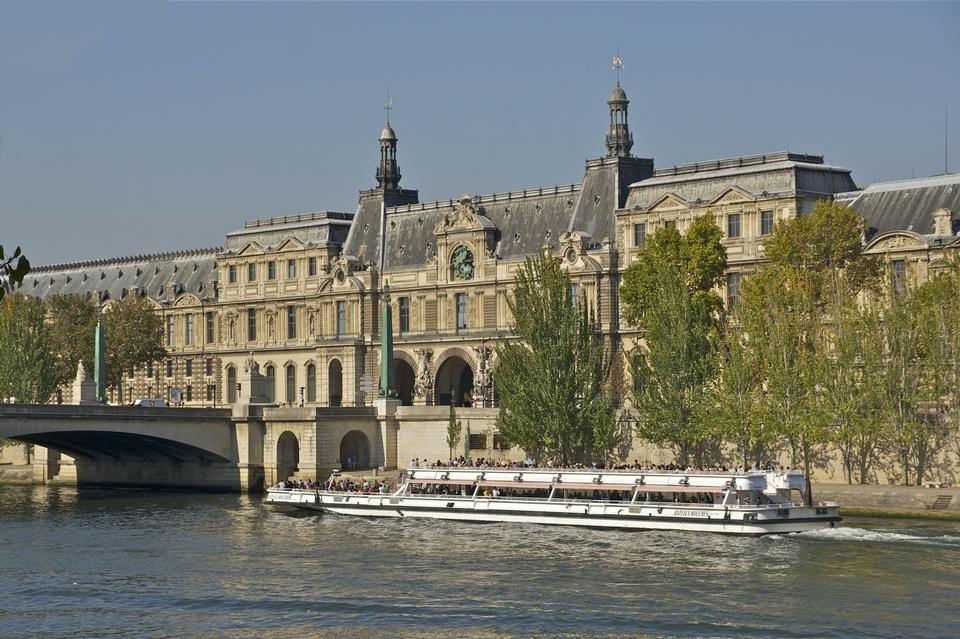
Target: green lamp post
<point x="388" y="388"/>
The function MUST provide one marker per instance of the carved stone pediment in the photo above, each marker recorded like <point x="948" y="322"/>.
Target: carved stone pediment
<point x="465" y="216"/>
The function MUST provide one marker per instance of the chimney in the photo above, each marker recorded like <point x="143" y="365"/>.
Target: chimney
<point x="942" y="222"/>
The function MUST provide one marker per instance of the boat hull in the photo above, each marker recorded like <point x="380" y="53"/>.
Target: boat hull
<point x="612" y="515"/>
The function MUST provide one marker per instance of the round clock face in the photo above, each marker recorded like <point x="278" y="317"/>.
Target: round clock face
<point x="462" y="262"/>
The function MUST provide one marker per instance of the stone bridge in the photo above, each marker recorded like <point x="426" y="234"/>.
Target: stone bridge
<point x="220" y="449"/>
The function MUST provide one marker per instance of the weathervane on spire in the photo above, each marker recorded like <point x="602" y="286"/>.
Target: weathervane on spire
<point x="618" y="64"/>
<point x="388" y="105"/>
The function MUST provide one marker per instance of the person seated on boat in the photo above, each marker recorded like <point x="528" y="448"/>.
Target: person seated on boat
<point x="495" y="493"/>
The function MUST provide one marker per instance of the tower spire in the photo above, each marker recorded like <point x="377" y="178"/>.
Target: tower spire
<point x="619" y="140"/>
<point x="388" y="172"/>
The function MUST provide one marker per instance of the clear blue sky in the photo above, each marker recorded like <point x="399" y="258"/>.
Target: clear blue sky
<point x="131" y="127"/>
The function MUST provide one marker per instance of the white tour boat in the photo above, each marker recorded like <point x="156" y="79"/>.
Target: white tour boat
<point x="750" y="503"/>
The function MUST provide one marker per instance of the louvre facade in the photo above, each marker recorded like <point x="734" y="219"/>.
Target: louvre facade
<point x="300" y="294"/>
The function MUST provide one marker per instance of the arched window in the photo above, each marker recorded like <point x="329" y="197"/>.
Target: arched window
<point x="336" y="383"/>
<point x="271" y="384"/>
<point x="291" y="384"/>
<point x="311" y="383"/>
<point x="231" y="385"/>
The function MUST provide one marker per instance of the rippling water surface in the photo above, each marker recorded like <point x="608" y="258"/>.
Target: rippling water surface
<point x="99" y="563"/>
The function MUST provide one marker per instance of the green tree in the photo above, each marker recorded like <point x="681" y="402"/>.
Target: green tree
<point x="669" y="294"/>
<point x="73" y="320"/>
<point x="551" y="380"/>
<point x="734" y="409"/>
<point x="133" y="331"/>
<point x="454" y="429"/>
<point x="12" y="270"/>
<point x="27" y="362"/>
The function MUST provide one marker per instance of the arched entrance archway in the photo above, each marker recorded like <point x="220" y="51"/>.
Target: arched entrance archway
<point x="288" y="455"/>
<point x="335" y="383"/>
<point x="454" y="383"/>
<point x="404" y="378"/>
<point x="355" y="451"/>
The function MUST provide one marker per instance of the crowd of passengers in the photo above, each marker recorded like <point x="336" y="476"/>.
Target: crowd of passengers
<point x="469" y="462"/>
<point x="343" y="485"/>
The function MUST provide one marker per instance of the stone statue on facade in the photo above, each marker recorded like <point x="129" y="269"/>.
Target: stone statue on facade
<point x="424" y="381"/>
<point x="483" y="384"/>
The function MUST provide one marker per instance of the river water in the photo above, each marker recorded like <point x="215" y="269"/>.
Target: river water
<point x="111" y="563"/>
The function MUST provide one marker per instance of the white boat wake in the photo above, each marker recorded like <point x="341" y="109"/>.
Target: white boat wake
<point x="876" y="536"/>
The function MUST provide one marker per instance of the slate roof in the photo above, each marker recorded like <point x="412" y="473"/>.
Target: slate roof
<point x="782" y="173"/>
<point x="524" y="222"/>
<point x="191" y="271"/>
<point x="906" y="205"/>
<point x="317" y="228"/>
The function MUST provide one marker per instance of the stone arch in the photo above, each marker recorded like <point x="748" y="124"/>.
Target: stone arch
<point x="231" y="394"/>
<point x="453" y="382"/>
<point x="335" y="382"/>
<point x="404" y="376"/>
<point x="355" y="451"/>
<point x="288" y="455"/>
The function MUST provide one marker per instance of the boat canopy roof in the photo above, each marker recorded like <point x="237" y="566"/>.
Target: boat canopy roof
<point x="578" y="479"/>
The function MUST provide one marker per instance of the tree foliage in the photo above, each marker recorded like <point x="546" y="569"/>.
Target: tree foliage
<point x="454" y="430"/>
<point x="551" y="380"/>
<point x="27" y="361"/>
<point x="12" y="270"/>
<point x="133" y="331"/>
<point x="668" y="292"/>
<point x="73" y="320"/>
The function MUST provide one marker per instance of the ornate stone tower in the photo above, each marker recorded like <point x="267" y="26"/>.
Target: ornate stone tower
<point x="619" y="140"/>
<point x="388" y="172"/>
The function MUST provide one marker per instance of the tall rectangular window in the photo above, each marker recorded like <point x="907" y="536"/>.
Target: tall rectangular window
<point x="189" y="393"/>
<point x="271" y="270"/>
<point x="291" y="322"/>
<point x="766" y="222"/>
<point x="291" y="269"/>
<point x="461" y="302"/>
<point x="670" y="224"/>
<point x="188" y="333"/>
<point x="210" y="388"/>
<point x="169" y="368"/>
<point x="208" y="366"/>
<point x="733" y="289"/>
<point x="639" y="234"/>
<point x="189" y="368"/>
<point x="341" y="319"/>
<point x="251" y="324"/>
<point x="232" y="274"/>
<point x="210" y="327"/>
<point x="149" y="370"/>
<point x="312" y="266"/>
<point x="733" y="225"/>
<point x="169" y="331"/>
<point x="899" y="279"/>
<point x="403" y="306"/>
<point x="574" y="295"/>
<point x="251" y="272"/>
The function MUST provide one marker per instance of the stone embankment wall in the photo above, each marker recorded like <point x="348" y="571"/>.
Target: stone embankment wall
<point x="891" y="498"/>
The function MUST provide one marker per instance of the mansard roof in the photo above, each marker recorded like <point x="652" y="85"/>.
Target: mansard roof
<point x="190" y="271"/>
<point x="904" y="204"/>
<point x="523" y="221"/>
<point x="318" y="228"/>
<point x="782" y="173"/>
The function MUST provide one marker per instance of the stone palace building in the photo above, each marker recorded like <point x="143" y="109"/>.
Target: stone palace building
<point x="299" y="295"/>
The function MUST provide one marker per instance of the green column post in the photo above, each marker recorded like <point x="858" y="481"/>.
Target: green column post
<point x="388" y="388"/>
<point x="99" y="364"/>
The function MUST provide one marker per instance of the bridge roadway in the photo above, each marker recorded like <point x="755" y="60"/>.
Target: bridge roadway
<point x="129" y="445"/>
